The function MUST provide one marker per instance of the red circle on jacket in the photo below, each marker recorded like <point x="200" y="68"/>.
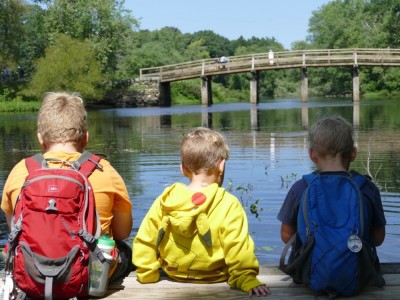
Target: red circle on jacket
<point x="198" y="198"/>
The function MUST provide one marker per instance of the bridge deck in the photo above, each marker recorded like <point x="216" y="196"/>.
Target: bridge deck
<point x="280" y="60"/>
<point x="281" y="286"/>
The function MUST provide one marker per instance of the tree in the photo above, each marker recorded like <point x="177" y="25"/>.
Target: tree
<point x="33" y="42"/>
<point x="10" y="31"/>
<point x="196" y="50"/>
<point x="355" y="24"/>
<point x="339" y="24"/>
<point x="382" y="17"/>
<point x="156" y="48"/>
<point x="69" y="65"/>
<point x="216" y="44"/>
<point x="106" y="24"/>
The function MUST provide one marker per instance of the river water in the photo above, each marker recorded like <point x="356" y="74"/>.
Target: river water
<point x="268" y="145"/>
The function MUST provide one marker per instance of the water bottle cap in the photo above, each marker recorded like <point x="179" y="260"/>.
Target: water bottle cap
<point x="106" y="241"/>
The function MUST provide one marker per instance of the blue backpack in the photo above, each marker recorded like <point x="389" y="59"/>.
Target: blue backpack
<point x="330" y="251"/>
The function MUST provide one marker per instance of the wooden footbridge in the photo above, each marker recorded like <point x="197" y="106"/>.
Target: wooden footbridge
<point x="255" y="63"/>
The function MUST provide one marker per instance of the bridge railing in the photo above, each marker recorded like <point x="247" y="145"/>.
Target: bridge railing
<point x="279" y="60"/>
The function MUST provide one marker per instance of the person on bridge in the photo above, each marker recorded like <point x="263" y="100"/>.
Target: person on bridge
<point x="271" y="57"/>
<point x="223" y="59"/>
<point x="198" y="232"/>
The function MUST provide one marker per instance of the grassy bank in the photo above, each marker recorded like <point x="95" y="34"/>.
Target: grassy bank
<point x="19" y="106"/>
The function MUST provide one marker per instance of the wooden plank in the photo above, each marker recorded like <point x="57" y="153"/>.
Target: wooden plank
<point x="281" y="287"/>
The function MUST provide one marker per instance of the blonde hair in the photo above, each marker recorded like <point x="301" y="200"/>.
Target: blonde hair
<point x="202" y="149"/>
<point x="62" y="118"/>
<point x="331" y="136"/>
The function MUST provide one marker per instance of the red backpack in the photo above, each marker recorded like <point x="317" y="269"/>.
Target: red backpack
<point x="54" y="228"/>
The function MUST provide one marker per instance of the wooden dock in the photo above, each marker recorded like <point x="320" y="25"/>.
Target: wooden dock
<point x="281" y="285"/>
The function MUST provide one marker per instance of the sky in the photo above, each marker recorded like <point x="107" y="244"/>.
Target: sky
<point x="284" y="20"/>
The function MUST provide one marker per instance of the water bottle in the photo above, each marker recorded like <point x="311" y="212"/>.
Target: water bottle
<point x="98" y="269"/>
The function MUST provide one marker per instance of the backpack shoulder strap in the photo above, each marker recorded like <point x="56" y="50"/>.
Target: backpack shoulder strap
<point x="87" y="163"/>
<point x="35" y="162"/>
<point x="310" y="177"/>
<point x="359" y="179"/>
<point x="38" y="161"/>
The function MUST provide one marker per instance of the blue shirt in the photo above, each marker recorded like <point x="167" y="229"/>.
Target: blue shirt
<point x="370" y="193"/>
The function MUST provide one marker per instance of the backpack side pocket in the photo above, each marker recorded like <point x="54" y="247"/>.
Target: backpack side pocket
<point x="37" y="273"/>
<point x="299" y="260"/>
<point x="369" y="267"/>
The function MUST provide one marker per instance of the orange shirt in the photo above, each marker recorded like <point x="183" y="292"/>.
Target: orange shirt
<point x="109" y="188"/>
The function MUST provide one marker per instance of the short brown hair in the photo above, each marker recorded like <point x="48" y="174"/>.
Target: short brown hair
<point x="62" y="118"/>
<point x="331" y="136"/>
<point x="202" y="149"/>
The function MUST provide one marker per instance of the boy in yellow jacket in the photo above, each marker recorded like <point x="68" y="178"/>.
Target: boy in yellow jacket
<point x="198" y="232"/>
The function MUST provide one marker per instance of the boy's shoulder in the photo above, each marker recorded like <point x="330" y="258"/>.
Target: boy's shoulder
<point x="364" y="181"/>
<point x="352" y="173"/>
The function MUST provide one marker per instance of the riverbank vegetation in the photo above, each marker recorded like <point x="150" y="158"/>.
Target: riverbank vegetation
<point x="80" y="46"/>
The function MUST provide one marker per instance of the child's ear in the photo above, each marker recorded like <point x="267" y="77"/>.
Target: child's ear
<point x="41" y="140"/>
<point x="312" y="155"/>
<point x="353" y="154"/>
<point x="184" y="171"/>
<point x="86" y="140"/>
<point x="221" y="166"/>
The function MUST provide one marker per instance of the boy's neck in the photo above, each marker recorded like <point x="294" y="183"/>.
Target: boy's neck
<point x="201" y="181"/>
<point x="67" y="147"/>
<point x="331" y="165"/>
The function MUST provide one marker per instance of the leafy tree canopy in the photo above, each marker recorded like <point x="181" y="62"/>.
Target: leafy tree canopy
<point x="11" y="28"/>
<point x="68" y="65"/>
<point x="110" y="37"/>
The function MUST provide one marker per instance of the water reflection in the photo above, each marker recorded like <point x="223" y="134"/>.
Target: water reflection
<point x="356" y="115"/>
<point x="304" y="115"/>
<point x="254" y="116"/>
<point x="268" y="145"/>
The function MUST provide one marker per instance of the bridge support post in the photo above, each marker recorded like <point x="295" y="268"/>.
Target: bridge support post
<point x="304" y="84"/>
<point x="165" y="94"/>
<point x="356" y="84"/>
<point x="206" y="92"/>
<point x="254" y="95"/>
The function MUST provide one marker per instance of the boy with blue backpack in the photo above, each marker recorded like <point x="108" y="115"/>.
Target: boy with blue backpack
<point x="332" y="219"/>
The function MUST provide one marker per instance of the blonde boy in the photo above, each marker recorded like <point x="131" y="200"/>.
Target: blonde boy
<point x="63" y="134"/>
<point x="198" y="232"/>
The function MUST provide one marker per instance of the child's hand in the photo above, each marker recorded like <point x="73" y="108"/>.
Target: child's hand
<point x="261" y="290"/>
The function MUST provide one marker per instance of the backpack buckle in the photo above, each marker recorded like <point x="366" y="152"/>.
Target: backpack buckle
<point x="52" y="206"/>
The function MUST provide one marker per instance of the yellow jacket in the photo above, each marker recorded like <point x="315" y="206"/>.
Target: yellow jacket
<point x="196" y="236"/>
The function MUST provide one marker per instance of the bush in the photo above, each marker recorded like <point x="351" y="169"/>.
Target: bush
<point x="69" y="65"/>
